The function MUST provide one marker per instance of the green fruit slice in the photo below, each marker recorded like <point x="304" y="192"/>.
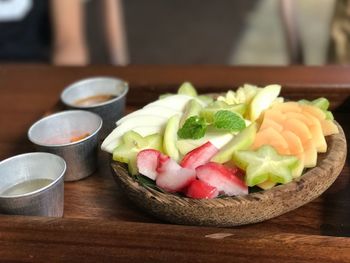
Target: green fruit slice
<point x="170" y="137"/>
<point x="321" y="103"/>
<point x="329" y="115"/>
<point x="187" y="89"/>
<point x="209" y="112"/>
<point x="265" y="164"/>
<point x="205" y="99"/>
<point x="165" y="95"/>
<point x="241" y="141"/>
<point x="193" y="108"/>
<point x="262" y="100"/>
<point x="132" y="144"/>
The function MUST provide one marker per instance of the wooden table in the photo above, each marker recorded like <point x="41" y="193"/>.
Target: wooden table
<point x="99" y="224"/>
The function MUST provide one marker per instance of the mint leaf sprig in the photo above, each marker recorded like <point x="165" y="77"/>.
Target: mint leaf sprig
<point x="195" y="126"/>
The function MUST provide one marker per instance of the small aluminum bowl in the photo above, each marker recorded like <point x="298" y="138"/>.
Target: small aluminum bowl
<point x="32" y="184"/>
<point x="53" y="133"/>
<point x="110" y="111"/>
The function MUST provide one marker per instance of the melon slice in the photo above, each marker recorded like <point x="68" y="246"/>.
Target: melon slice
<point x="314" y="126"/>
<point x="299" y="128"/>
<point x="290" y="106"/>
<point x="314" y="111"/>
<point x="271" y="123"/>
<point x="270" y="136"/>
<point x="294" y="143"/>
<point x="329" y="127"/>
<point x="274" y="115"/>
<point x="310" y="154"/>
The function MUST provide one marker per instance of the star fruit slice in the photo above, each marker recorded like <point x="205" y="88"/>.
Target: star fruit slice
<point x="132" y="144"/>
<point x="265" y="164"/>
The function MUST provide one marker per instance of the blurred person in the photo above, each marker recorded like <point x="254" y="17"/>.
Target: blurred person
<point x="339" y="37"/>
<point x="339" y="50"/>
<point x="53" y="30"/>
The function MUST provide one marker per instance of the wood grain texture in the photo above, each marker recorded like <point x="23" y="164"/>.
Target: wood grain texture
<point x="72" y="240"/>
<point x="100" y="223"/>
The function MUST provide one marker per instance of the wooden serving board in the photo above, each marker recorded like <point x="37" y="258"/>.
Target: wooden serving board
<point x="100" y="223"/>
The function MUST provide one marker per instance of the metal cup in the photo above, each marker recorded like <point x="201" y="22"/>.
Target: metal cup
<point x="32" y="184"/>
<point x="53" y="133"/>
<point x="110" y="111"/>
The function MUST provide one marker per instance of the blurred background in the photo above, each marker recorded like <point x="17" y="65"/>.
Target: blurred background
<point x="241" y="32"/>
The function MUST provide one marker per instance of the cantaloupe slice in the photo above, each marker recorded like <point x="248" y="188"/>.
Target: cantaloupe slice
<point x="310" y="154"/>
<point x="300" y="116"/>
<point x="294" y="143"/>
<point x="299" y="128"/>
<point x="329" y="127"/>
<point x="267" y="123"/>
<point x="274" y="115"/>
<point x="314" y="111"/>
<point x="314" y="126"/>
<point x="290" y="106"/>
<point x="270" y="136"/>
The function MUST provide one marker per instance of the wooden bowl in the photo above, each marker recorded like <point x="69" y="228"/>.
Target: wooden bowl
<point x="240" y="210"/>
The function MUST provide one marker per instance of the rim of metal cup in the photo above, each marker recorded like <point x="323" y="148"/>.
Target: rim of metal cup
<point x="60" y="159"/>
<point x="83" y="81"/>
<point x="30" y="131"/>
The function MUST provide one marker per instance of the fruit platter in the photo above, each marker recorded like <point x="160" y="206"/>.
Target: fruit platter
<point x="229" y="159"/>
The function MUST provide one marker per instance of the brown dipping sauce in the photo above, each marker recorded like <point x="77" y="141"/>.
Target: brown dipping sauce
<point x="96" y="99"/>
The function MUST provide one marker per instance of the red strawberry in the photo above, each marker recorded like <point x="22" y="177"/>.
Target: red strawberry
<point x="172" y="177"/>
<point x="199" y="156"/>
<point x="147" y="163"/>
<point x="223" y="178"/>
<point x="201" y="190"/>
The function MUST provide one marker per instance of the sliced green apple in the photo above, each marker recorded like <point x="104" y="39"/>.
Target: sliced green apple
<point x="170" y="137"/>
<point x="241" y="141"/>
<point x="262" y="100"/>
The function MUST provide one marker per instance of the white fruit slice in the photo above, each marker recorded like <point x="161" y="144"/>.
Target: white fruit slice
<point x="155" y="111"/>
<point x="114" y="139"/>
<point x="263" y="100"/>
<point x="217" y="139"/>
<point x="176" y="102"/>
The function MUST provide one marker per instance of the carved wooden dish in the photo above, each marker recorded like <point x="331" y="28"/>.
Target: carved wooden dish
<point x="233" y="211"/>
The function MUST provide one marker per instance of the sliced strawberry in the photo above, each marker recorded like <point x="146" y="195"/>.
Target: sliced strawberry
<point x="199" y="156"/>
<point x="147" y="163"/>
<point x="221" y="177"/>
<point x="172" y="177"/>
<point x="201" y="190"/>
